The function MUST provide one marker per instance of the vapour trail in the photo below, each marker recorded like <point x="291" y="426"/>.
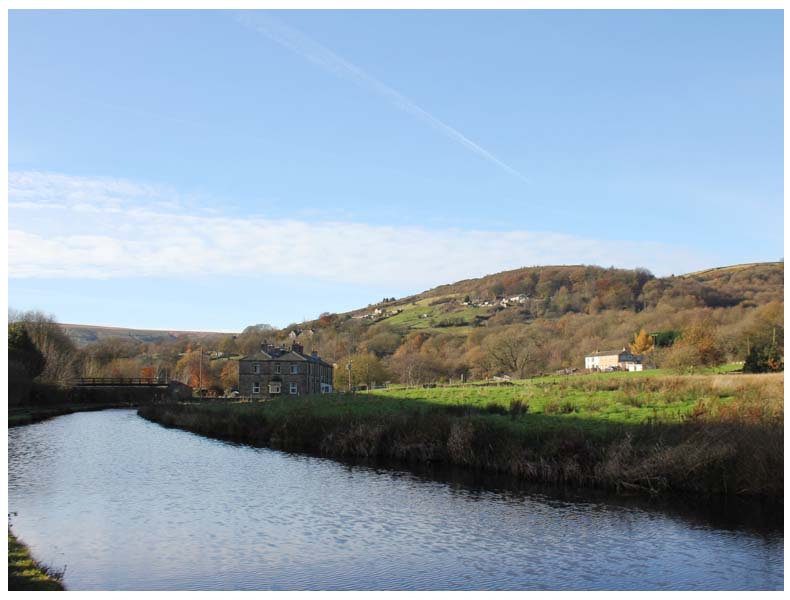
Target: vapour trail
<point x="323" y="57"/>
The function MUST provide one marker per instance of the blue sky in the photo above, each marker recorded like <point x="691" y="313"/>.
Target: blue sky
<point x="215" y="169"/>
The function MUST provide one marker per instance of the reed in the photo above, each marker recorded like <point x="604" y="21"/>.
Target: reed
<point x="655" y="436"/>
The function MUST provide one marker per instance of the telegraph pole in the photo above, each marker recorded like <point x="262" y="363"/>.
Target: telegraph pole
<point x="348" y="366"/>
<point x="200" y="371"/>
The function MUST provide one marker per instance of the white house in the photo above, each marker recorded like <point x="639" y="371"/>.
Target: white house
<point x="613" y="359"/>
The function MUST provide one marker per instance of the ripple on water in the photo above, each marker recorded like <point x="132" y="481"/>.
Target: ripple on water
<point x="130" y="505"/>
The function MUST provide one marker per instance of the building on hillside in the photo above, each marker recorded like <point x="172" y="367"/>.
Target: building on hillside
<point x="613" y="360"/>
<point x="277" y="371"/>
<point x="297" y="333"/>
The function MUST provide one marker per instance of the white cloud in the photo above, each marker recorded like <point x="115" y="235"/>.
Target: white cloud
<point x="95" y="227"/>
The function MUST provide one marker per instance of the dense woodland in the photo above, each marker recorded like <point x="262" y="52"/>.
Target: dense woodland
<point x="517" y="323"/>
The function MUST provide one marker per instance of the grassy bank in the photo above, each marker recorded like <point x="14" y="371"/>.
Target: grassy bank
<point x="25" y="574"/>
<point x="718" y="434"/>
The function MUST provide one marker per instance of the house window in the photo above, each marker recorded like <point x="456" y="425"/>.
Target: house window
<point x="274" y="388"/>
<point x="276" y="367"/>
<point x="256" y="387"/>
<point x="294" y="388"/>
<point x="294" y="369"/>
<point x="256" y="368"/>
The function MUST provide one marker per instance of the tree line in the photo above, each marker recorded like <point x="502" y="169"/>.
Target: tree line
<point x="679" y="323"/>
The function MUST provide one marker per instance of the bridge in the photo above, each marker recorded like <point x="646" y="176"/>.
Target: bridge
<point x="122" y="382"/>
<point x="135" y="390"/>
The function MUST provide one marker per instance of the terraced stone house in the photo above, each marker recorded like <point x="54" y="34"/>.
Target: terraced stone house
<point x="277" y="371"/>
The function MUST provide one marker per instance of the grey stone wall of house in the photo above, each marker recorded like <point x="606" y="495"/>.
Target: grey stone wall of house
<point x="276" y="371"/>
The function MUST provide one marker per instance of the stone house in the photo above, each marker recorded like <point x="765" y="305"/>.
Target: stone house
<point x="613" y="360"/>
<point x="277" y="371"/>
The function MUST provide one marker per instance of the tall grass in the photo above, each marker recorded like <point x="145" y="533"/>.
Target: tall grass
<point x="26" y="574"/>
<point x="709" y="434"/>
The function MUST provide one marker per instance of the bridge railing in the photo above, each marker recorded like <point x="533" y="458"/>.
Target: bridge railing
<point x="120" y="381"/>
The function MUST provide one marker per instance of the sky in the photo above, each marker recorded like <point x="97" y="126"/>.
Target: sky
<point x="210" y="170"/>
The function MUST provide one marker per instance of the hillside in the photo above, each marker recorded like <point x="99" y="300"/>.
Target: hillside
<point x="552" y="316"/>
<point x="530" y="293"/>
<point x="518" y="323"/>
<point x="82" y="335"/>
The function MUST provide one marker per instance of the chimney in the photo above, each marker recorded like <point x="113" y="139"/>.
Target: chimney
<point x="314" y="354"/>
<point x="298" y="348"/>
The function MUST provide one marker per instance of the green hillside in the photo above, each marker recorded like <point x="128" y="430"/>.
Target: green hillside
<point x="519" y="323"/>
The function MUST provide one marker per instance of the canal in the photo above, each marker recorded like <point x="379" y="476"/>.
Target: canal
<point x="125" y="504"/>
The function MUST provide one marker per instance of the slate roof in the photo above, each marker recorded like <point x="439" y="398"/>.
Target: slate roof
<point x="608" y="352"/>
<point x="281" y="354"/>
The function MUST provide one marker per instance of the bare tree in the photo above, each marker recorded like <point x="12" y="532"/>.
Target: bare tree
<point x="518" y="351"/>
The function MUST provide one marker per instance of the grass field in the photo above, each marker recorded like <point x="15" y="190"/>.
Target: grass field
<point x="653" y="432"/>
<point x="25" y="574"/>
<point x="411" y="316"/>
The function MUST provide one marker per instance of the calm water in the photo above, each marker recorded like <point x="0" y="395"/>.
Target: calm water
<point x="126" y="504"/>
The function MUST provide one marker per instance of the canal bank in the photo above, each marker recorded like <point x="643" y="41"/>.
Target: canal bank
<point x="686" y="436"/>
<point x="26" y="574"/>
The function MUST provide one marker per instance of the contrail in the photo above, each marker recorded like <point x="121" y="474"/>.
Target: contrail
<point x="319" y="55"/>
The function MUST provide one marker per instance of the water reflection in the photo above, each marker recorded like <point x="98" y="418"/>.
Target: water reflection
<point x="127" y="504"/>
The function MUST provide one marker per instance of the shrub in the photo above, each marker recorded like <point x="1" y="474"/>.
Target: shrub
<point x="495" y="409"/>
<point x="518" y="407"/>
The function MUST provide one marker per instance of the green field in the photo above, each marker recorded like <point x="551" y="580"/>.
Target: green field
<point x="411" y="316"/>
<point x="712" y="433"/>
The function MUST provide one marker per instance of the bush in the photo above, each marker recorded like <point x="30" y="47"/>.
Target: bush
<point x="495" y="409"/>
<point x="763" y="359"/>
<point x="518" y="407"/>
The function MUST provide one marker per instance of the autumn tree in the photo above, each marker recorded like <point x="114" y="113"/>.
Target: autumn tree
<point x="148" y="372"/>
<point x="367" y="368"/>
<point x="124" y="367"/>
<point x="642" y="344"/>
<point x="414" y="362"/>
<point x="229" y="376"/>
<point x="228" y="345"/>
<point x="191" y="369"/>
<point x="697" y="346"/>
<point x="383" y="343"/>
<point x="765" y="340"/>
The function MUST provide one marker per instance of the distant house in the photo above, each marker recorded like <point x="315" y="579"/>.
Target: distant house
<point x="275" y="371"/>
<point x="610" y="360"/>
<point x="300" y="333"/>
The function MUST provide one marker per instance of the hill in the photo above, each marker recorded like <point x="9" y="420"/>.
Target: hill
<point x="552" y="292"/>
<point x="518" y="323"/>
<point x="82" y="335"/>
<point x="552" y="316"/>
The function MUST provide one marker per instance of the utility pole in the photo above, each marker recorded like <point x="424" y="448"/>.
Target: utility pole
<point x="200" y="371"/>
<point x="348" y="366"/>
